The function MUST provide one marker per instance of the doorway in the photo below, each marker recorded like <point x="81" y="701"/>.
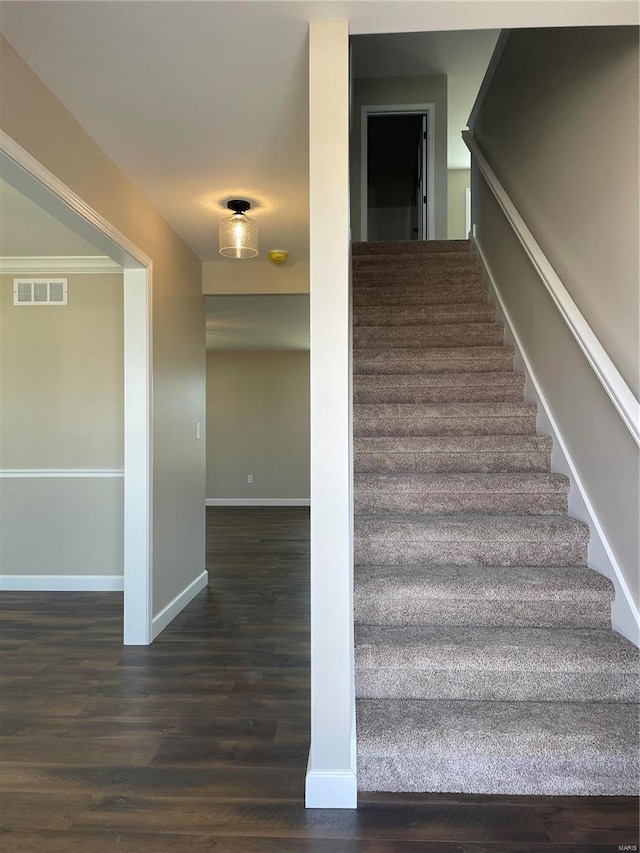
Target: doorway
<point x="397" y="181"/>
<point x="30" y="178"/>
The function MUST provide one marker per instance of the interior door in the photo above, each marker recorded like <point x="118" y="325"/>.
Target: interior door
<point x="421" y="191"/>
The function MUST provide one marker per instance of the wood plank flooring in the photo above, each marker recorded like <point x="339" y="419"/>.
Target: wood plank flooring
<point x="199" y="742"/>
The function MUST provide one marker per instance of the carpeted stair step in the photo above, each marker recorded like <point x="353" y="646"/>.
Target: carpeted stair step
<point x="405" y="360"/>
<point x="413" y="265"/>
<point x="444" y="419"/>
<point x="552" y="748"/>
<point x="435" y="294"/>
<point x="511" y="664"/>
<point x="418" y="315"/>
<point x="418" y="276"/>
<point x="503" y="386"/>
<point x="494" y="596"/>
<point x="440" y="335"/>
<point x="429" y="263"/>
<point x="403" y="247"/>
<point x="475" y="539"/>
<point x="455" y="453"/>
<point x="515" y="494"/>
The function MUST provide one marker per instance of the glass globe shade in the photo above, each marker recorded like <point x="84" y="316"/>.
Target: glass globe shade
<point x="238" y="236"/>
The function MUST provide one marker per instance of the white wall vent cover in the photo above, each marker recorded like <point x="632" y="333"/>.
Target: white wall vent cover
<point x="40" y="291"/>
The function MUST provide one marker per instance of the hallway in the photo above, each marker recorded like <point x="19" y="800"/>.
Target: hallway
<point x="199" y="742"/>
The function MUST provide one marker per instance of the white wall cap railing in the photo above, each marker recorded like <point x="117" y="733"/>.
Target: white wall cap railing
<point x="613" y="383"/>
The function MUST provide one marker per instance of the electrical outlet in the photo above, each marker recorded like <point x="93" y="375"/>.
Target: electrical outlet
<point x="249" y="478"/>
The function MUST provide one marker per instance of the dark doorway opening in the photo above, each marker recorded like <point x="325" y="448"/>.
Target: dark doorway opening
<point x="397" y="177"/>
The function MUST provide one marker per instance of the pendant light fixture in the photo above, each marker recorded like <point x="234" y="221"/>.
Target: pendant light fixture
<point x="238" y="234"/>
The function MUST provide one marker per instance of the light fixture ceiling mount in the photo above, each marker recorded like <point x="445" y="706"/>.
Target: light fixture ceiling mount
<point x="238" y="233"/>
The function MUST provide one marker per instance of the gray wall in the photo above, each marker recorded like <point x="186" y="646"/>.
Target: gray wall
<point x="401" y="90"/>
<point x="61" y="407"/>
<point x="258" y="423"/>
<point x="560" y="127"/>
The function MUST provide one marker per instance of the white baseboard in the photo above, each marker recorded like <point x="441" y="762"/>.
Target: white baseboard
<point x="331" y="789"/>
<point x="625" y="617"/>
<point x="258" y="502"/>
<point x="62" y="583"/>
<point x="169" y="613"/>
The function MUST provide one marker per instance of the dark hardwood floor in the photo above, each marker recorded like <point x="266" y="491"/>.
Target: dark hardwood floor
<point x="199" y="742"/>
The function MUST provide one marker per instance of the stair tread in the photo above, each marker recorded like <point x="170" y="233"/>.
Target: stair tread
<point x="528" y="596"/>
<point x="463" y="482"/>
<point x="454" y="313"/>
<point x="571" y="650"/>
<point x="360" y="247"/>
<point x="392" y="296"/>
<point x="552" y="748"/>
<point x="491" y="583"/>
<point x="480" y="527"/>
<point x="450" y="352"/>
<point x="420" y="380"/>
<point x="451" y="443"/>
<point x="389" y="727"/>
<point x="446" y="410"/>
<point x="400" y="257"/>
<point x="430" y="328"/>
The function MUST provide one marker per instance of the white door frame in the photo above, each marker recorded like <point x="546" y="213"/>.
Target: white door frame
<point x="45" y="189"/>
<point x="390" y="110"/>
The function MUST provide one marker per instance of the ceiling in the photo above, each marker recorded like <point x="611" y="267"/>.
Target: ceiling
<point x="28" y="231"/>
<point x="270" y="322"/>
<point x="461" y="55"/>
<point x="198" y="102"/>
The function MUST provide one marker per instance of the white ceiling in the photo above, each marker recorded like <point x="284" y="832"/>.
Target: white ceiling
<point x="462" y="56"/>
<point x="271" y="322"/>
<point x="198" y="102"/>
<point x="28" y="231"/>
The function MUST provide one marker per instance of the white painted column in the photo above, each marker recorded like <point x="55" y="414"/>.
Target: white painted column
<point x="137" y="457"/>
<point x="331" y="777"/>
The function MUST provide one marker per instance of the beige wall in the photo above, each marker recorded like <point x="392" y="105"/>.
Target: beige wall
<point x="61" y="377"/>
<point x="26" y="107"/>
<point x="457" y="182"/>
<point x="560" y="126"/>
<point x="258" y="423"/>
<point x="62" y="407"/>
<point x="62" y="526"/>
<point x="401" y="90"/>
<point x="256" y="277"/>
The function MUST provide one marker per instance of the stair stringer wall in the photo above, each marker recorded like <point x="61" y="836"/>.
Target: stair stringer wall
<point x="625" y="617"/>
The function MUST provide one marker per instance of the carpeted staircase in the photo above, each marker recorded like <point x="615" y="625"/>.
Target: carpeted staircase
<point x="485" y="659"/>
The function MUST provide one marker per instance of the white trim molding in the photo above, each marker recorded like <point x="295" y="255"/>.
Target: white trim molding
<point x="177" y="604"/>
<point x="625" y="617"/>
<point x="610" y="378"/>
<point x="62" y="583"/>
<point x="107" y="233"/>
<point x="59" y="473"/>
<point x="331" y="789"/>
<point x="58" y="265"/>
<point x="258" y="502"/>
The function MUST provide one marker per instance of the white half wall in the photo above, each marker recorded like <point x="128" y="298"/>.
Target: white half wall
<point x="331" y="777"/>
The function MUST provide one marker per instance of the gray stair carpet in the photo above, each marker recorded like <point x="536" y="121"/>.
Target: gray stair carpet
<point x="485" y="658"/>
